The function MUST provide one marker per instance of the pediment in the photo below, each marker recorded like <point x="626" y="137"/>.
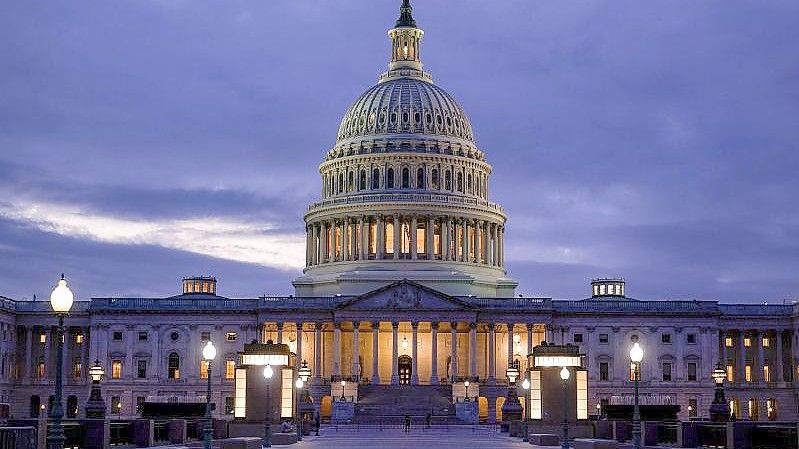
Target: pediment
<point x="404" y="295"/>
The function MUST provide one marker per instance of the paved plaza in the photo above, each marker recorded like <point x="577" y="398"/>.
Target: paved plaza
<point x="460" y="437"/>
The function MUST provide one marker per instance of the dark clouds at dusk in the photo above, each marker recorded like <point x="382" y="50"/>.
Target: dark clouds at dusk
<point x="142" y="141"/>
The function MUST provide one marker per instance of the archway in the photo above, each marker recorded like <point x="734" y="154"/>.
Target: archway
<point x="482" y="408"/>
<point x="326" y="407"/>
<point x="500" y="403"/>
<point x="405" y="369"/>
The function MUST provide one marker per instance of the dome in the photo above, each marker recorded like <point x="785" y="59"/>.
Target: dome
<point x="405" y="105"/>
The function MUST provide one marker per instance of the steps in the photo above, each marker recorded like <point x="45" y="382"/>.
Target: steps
<point x="396" y="401"/>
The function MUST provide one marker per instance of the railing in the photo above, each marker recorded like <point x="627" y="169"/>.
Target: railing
<point x="711" y="435"/>
<point x="643" y="399"/>
<point x="293" y="302"/>
<point x="172" y="304"/>
<point x="18" y="438"/>
<point x="510" y="303"/>
<point x="604" y="305"/>
<point x="667" y="433"/>
<point x="774" y="436"/>
<point x="120" y="433"/>
<point x="407" y="198"/>
<point x="756" y="309"/>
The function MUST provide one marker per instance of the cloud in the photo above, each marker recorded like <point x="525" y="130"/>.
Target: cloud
<point x="241" y="241"/>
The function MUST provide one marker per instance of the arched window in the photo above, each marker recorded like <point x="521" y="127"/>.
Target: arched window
<point x="420" y="178"/>
<point x="406" y="178"/>
<point x="350" y="182"/>
<point x="448" y="180"/>
<point x="173" y="365"/>
<point x="469" y="183"/>
<point x="460" y="182"/>
<point x="35" y="406"/>
<point x="375" y="179"/>
<point x="340" y="182"/>
<point x="390" y="178"/>
<point x="436" y="181"/>
<point x="362" y="181"/>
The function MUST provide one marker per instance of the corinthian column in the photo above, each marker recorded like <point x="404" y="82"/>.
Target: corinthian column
<point x="375" y="352"/>
<point x="394" y="354"/>
<point x="414" y="239"/>
<point x="397" y="233"/>
<point x="414" y="353"/>
<point x="465" y="257"/>
<point x="345" y="239"/>
<point x="363" y="243"/>
<point x="434" y="353"/>
<point x="492" y="356"/>
<point x="444" y="238"/>
<point x="355" y="370"/>
<point x="323" y="242"/>
<point x="336" y="350"/>
<point x="473" y="350"/>
<point x="430" y="238"/>
<point x="381" y="237"/>
<point x="454" y="351"/>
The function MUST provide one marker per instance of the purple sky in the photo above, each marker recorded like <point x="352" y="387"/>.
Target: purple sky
<point x="145" y="140"/>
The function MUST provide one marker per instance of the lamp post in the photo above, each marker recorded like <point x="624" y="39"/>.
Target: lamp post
<point x="268" y="372"/>
<point x="303" y="374"/>
<point x="61" y="301"/>
<point x="564" y="376"/>
<point x="343" y="384"/>
<point x="298" y="383"/>
<point x="636" y="355"/>
<point x="209" y="354"/>
<point x="95" y="406"/>
<point x="719" y="409"/>
<point x="512" y="408"/>
<point x="466" y="385"/>
<point x="526" y="387"/>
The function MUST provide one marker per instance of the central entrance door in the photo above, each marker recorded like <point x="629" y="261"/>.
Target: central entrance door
<point x="404" y="368"/>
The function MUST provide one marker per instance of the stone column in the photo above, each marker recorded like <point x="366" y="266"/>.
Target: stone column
<point x="381" y="237"/>
<point x="323" y="242"/>
<point x="336" y="350"/>
<point x="493" y="244"/>
<point x="465" y="231"/>
<point x="476" y="241"/>
<point x="155" y="369"/>
<point x="530" y="338"/>
<point x="356" y="363"/>
<point x="741" y="357"/>
<point x="345" y="239"/>
<point x="454" y="351"/>
<point x="473" y="350"/>
<point x="280" y="332"/>
<point x="510" y="343"/>
<point x="397" y="233"/>
<point x="414" y="239"/>
<point x="778" y="365"/>
<point x="724" y="355"/>
<point x="363" y="243"/>
<point x="317" y="351"/>
<point x="414" y="353"/>
<point x="430" y="238"/>
<point x="394" y="352"/>
<point x="492" y="356"/>
<point x="434" y="353"/>
<point x="501" y="246"/>
<point x="375" y="353"/>
<point x="444" y="238"/>
<point x="314" y="245"/>
<point x="307" y="245"/>
<point x="298" y="362"/>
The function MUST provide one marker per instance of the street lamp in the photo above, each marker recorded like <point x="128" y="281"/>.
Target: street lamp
<point x="466" y="384"/>
<point x="719" y="411"/>
<point x="343" y="384"/>
<point x="95" y="406"/>
<point x="298" y="383"/>
<point x="636" y="355"/>
<point x="526" y="387"/>
<point x="564" y="376"/>
<point x="303" y="374"/>
<point x="61" y="300"/>
<point x="268" y="372"/>
<point x="209" y="354"/>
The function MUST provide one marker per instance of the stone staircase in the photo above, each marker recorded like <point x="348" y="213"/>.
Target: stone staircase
<point x="396" y="401"/>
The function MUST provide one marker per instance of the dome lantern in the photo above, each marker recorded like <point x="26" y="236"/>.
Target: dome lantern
<point x="406" y="45"/>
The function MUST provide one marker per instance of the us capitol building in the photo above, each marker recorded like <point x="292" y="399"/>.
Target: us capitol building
<point x="404" y="287"/>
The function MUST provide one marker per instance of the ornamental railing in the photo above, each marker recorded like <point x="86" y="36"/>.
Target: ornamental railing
<point x="756" y="309"/>
<point x="172" y="304"/>
<point x="510" y="303"/>
<point x="635" y="306"/>
<point x="407" y="198"/>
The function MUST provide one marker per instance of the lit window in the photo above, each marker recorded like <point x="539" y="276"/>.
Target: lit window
<point x="753" y="409"/>
<point x="77" y="369"/>
<point x="230" y="336"/>
<point x="173" y="364"/>
<point x="692" y="408"/>
<point x="203" y="369"/>
<point x="766" y="374"/>
<point x="734" y="411"/>
<point x="728" y="342"/>
<point x="766" y="342"/>
<point x="747" y="342"/>
<point x="116" y="369"/>
<point x="771" y="409"/>
<point x="389" y="239"/>
<point x="730" y="373"/>
<point x="42" y="338"/>
<point x="79" y="339"/>
<point x="40" y="371"/>
<point x="116" y="404"/>
<point x="748" y="373"/>
<point x="230" y="369"/>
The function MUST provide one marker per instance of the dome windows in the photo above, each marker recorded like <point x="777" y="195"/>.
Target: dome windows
<point x="390" y="178"/>
<point x="436" y="180"/>
<point x="406" y="178"/>
<point x="448" y="180"/>
<point x="460" y="182"/>
<point x="362" y="181"/>
<point x="420" y="178"/>
<point x="417" y="117"/>
<point x="375" y="179"/>
<point x="405" y="117"/>
<point x="393" y="118"/>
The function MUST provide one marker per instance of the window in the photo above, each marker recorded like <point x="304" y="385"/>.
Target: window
<point x="766" y="342"/>
<point x="460" y="182"/>
<point x="436" y="180"/>
<point x="230" y="369"/>
<point x="730" y="373"/>
<point x="40" y="368"/>
<point x="116" y="369"/>
<point x="390" y="178"/>
<point x="406" y="178"/>
<point x="747" y="342"/>
<point x="691" y="339"/>
<point x="748" y="373"/>
<point x="752" y="407"/>
<point x="728" y="342"/>
<point x="447" y="180"/>
<point x="735" y="410"/>
<point x="771" y="409"/>
<point x="174" y="336"/>
<point x="79" y="339"/>
<point x="173" y="365"/>
<point x="692" y="371"/>
<point x="667" y="371"/>
<point x="140" y="403"/>
<point x="143" y="336"/>
<point x="77" y="369"/>
<point x="141" y="369"/>
<point x="116" y="404"/>
<point x="42" y="338"/>
<point x="205" y="336"/>
<point x="692" y="408"/>
<point x="420" y="178"/>
<point x="603" y="370"/>
<point x="665" y="339"/>
<point x="229" y="405"/>
<point x="35" y="406"/>
<point x="230" y="336"/>
<point x="766" y="373"/>
<point x="117" y="336"/>
<point x="362" y="181"/>
<point x="603" y="338"/>
<point x="203" y="369"/>
<point x="375" y="179"/>
<point x="578" y="338"/>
